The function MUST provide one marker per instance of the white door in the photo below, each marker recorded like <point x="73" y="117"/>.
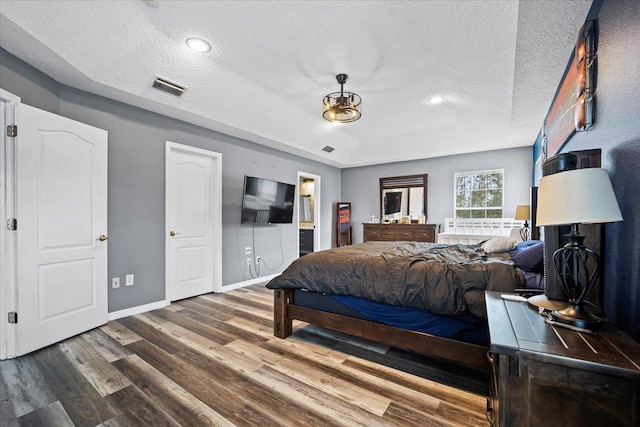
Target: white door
<point x="61" y="187"/>
<point x="193" y="219"/>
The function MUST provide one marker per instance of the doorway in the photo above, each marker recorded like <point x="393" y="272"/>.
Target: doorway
<point x="193" y="204"/>
<point x="308" y="212"/>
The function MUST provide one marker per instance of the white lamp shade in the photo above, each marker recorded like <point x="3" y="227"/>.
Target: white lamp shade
<point x="579" y="196"/>
<point x="523" y="212"/>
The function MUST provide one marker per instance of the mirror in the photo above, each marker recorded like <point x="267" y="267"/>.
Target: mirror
<point x="403" y="198"/>
<point x="305" y="211"/>
<point x="343" y="233"/>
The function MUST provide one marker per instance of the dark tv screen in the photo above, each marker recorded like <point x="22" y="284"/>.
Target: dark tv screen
<point x="265" y="201"/>
<point x="392" y="201"/>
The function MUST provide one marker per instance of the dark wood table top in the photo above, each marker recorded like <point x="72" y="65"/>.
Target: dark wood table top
<point x="517" y="329"/>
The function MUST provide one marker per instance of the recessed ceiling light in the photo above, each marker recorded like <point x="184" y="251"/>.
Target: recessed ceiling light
<point x="198" y="45"/>
<point x="435" y="100"/>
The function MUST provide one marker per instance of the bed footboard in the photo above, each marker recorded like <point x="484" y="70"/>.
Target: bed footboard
<point x="284" y="311"/>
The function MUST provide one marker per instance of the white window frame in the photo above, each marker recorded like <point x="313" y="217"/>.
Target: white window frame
<point x="467" y="173"/>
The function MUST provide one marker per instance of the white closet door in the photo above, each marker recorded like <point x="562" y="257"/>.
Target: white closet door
<point x="193" y="221"/>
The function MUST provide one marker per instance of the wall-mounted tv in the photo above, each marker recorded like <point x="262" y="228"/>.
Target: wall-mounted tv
<point x="265" y="201"/>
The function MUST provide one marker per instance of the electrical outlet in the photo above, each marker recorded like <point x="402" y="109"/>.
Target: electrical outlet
<point x="248" y="261"/>
<point x="128" y="280"/>
<point x="115" y="282"/>
<point x="247" y="250"/>
<point x="258" y="259"/>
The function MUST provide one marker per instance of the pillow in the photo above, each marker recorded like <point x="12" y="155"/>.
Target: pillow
<point x="529" y="257"/>
<point x="533" y="280"/>
<point x="527" y="243"/>
<point x="499" y="244"/>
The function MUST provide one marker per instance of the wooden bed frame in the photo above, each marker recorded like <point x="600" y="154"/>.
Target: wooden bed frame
<point x="285" y="311"/>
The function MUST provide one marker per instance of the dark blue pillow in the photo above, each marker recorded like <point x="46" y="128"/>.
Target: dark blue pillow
<point x="528" y="256"/>
<point x="533" y="280"/>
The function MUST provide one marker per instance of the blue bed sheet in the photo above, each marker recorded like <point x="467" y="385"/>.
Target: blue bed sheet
<point x="462" y="328"/>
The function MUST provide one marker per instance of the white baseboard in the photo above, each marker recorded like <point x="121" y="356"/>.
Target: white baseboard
<point x="161" y="304"/>
<point x="137" y="310"/>
<point x="232" y="286"/>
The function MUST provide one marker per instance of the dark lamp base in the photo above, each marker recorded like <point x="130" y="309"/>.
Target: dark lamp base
<point x="576" y="315"/>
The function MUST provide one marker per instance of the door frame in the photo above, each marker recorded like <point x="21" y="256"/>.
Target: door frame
<point x="216" y="211"/>
<point x="316" y="210"/>
<point x="8" y="285"/>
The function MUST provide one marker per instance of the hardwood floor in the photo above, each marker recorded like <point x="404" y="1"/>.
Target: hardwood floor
<point x="212" y="360"/>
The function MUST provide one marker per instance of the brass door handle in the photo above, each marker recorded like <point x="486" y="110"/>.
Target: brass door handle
<point x="173" y="233"/>
<point x="102" y="238"/>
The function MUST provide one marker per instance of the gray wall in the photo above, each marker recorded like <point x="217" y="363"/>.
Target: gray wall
<point x="136" y="225"/>
<point x="361" y="185"/>
<point x="36" y="88"/>
<point x="616" y="131"/>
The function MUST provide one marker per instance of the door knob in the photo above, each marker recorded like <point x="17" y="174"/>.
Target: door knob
<point x="102" y="238"/>
<point x="173" y="233"/>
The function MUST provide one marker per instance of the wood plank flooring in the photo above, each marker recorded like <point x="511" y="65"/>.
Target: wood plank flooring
<point x="212" y="360"/>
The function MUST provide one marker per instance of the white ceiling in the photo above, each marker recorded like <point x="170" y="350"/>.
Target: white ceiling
<point x="497" y="64"/>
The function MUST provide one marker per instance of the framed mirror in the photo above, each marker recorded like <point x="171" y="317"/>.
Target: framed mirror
<point x="403" y="198"/>
<point x="343" y="232"/>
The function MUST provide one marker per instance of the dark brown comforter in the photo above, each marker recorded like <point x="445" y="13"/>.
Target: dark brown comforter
<point x="444" y="279"/>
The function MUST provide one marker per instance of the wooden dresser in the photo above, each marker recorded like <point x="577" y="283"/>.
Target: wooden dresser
<point x="399" y="232"/>
<point x="551" y="376"/>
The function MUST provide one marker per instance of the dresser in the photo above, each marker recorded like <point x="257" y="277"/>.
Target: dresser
<point x="551" y="376"/>
<point x="399" y="232"/>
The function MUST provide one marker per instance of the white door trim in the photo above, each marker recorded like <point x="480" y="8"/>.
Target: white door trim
<point x="316" y="210"/>
<point x="8" y="286"/>
<point x="216" y="212"/>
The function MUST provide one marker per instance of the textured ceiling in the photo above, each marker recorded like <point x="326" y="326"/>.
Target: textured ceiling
<point x="497" y="64"/>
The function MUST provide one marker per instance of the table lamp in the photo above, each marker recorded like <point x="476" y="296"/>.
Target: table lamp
<point x="524" y="212"/>
<point x="580" y="196"/>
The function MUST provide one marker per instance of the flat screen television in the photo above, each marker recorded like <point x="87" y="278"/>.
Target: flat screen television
<point x="265" y="201"/>
<point x="392" y="202"/>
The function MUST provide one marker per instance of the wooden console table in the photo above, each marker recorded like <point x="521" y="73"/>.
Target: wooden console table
<point x="552" y="376"/>
<point x="399" y="232"/>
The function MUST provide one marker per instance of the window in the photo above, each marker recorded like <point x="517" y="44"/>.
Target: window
<point x="479" y="194"/>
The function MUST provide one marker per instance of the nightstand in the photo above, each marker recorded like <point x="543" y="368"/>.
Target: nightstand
<point x="551" y="376"/>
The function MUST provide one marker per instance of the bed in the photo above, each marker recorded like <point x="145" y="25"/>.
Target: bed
<point x="443" y="284"/>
